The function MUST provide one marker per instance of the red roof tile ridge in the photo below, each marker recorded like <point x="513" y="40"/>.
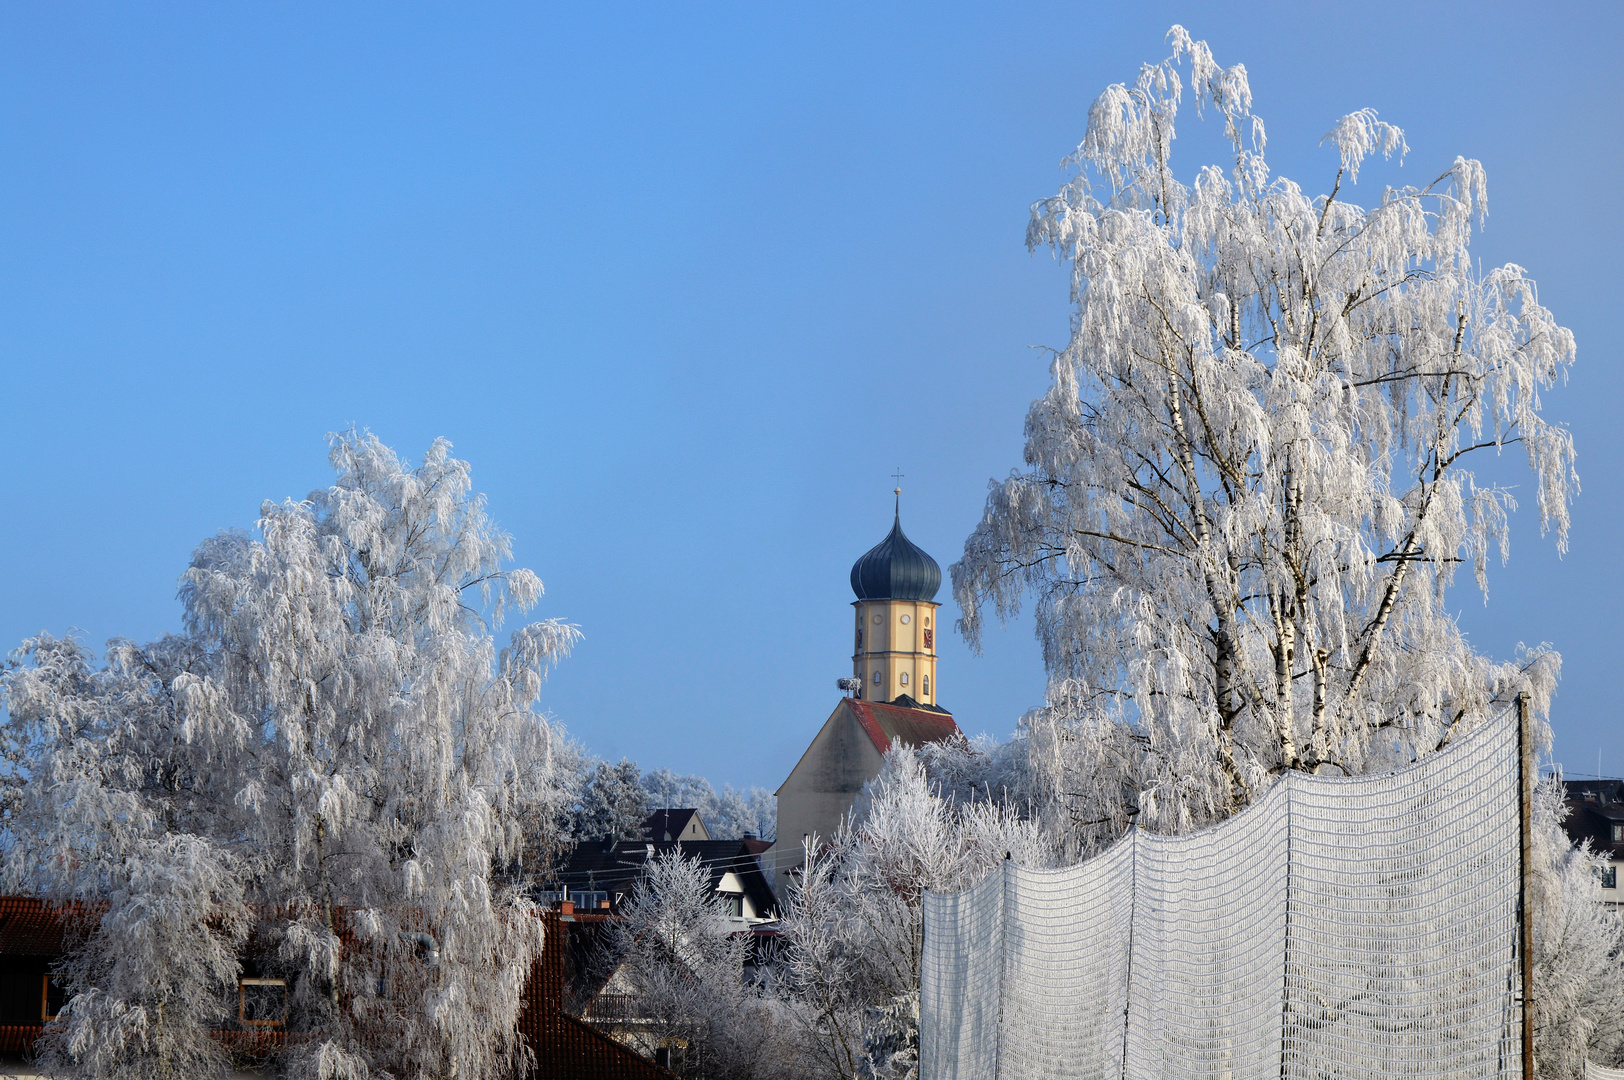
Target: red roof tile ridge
<point x="941" y="723"/>
<point x="865" y="717"/>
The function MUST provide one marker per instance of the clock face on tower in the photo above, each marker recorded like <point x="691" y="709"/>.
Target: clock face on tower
<point x="930" y="639"/>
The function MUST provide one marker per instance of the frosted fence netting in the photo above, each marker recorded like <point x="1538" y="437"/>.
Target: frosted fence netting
<point x="1340" y="928"/>
<point x="1602" y="1072"/>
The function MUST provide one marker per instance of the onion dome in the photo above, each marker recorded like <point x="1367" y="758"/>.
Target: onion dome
<point x="895" y="569"/>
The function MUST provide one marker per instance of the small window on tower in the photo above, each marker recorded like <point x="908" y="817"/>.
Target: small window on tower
<point x="876" y="676"/>
<point x="927" y="685"/>
<point x="876" y="620"/>
<point x="927" y="620"/>
<point x="904" y="678"/>
<point x="905" y="620"/>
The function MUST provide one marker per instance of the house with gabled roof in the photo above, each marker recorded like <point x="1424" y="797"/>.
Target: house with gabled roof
<point x="680" y="824"/>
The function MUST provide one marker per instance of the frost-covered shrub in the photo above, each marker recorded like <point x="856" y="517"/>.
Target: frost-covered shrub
<point x="853" y="925"/>
<point x="1578" y="951"/>
<point x="681" y="962"/>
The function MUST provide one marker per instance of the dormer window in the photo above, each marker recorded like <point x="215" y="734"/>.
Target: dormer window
<point x="1618" y="834"/>
<point x="262" y="1002"/>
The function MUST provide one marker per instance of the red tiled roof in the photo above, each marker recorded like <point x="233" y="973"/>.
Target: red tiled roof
<point x="29" y="926"/>
<point x="567" y="1048"/>
<point x="915" y="727"/>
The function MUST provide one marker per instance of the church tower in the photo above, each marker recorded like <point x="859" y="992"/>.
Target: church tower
<point x="895" y="651"/>
<point x="894" y="695"/>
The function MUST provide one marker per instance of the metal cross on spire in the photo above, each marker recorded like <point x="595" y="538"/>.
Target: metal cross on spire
<point x="897" y="476"/>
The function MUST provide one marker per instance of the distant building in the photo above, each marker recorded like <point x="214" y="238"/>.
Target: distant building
<point x="598" y="876"/>
<point x="894" y="692"/>
<point x="1596" y="813"/>
<point x="667" y="825"/>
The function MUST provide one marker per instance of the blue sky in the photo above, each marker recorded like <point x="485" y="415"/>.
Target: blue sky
<point x="686" y="284"/>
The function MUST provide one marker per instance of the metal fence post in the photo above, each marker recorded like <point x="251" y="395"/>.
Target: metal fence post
<point x="1525" y="844"/>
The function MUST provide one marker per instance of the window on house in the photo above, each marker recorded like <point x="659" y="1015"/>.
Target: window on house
<point x="1618" y="834"/>
<point x="262" y="1002"/>
<point x="1609" y="877"/>
<point x="51" y="997"/>
<point x="733" y="904"/>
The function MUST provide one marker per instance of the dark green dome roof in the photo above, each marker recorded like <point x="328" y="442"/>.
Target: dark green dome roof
<point x="896" y="569"/>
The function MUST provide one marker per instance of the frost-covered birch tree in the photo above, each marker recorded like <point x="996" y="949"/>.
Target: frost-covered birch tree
<point x="1255" y="473"/>
<point x="356" y="758"/>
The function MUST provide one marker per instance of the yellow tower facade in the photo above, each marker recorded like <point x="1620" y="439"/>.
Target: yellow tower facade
<point x="894" y="650"/>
